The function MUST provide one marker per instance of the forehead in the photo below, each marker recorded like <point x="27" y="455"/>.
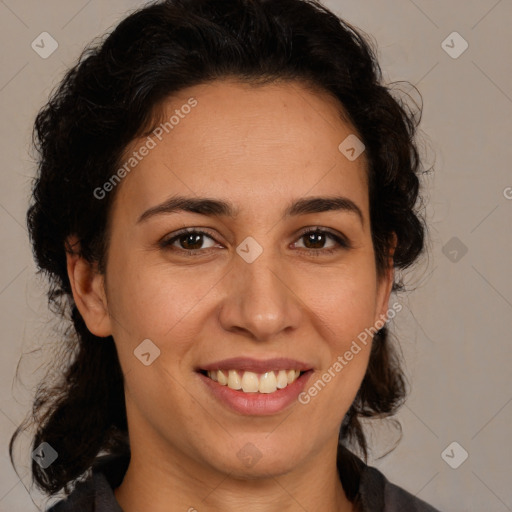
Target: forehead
<point x="245" y="142"/>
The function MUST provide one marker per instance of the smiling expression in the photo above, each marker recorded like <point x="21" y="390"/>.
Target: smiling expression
<point x="247" y="172"/>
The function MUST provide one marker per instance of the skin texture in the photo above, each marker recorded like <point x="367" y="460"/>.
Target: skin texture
<point x="260" y="148"/>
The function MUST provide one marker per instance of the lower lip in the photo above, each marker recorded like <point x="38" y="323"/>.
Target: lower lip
<point x="257" y="403"/>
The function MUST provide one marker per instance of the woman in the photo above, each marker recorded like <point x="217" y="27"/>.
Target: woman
<point x="224" y="192"/>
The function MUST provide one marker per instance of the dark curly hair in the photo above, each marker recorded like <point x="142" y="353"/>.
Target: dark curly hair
<point x="112" y="96"/>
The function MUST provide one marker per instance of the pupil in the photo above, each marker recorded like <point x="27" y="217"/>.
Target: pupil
<point x="314" y="235"/>
<point x="190" y="237"/>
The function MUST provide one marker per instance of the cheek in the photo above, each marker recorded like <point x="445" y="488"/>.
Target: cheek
<point x="342" y="299"/>
<point x="158" y="303"/>
<point x="343" y="305"/>
<point x="151" y="301"/>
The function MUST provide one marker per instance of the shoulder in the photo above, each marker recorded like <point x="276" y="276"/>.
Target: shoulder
<point x="377" y="493"/>
<point x="96" y="493"/>
<point x="84" y="496"/>
<point x="371" y="491"/>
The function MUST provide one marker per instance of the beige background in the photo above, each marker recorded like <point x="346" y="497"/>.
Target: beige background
<point x="455" y="326"/>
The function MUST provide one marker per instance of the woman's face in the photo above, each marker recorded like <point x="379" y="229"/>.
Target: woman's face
<point x="253" y="288"/>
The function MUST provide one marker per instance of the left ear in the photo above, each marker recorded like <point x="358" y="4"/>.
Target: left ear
<point x="385" y="284"/>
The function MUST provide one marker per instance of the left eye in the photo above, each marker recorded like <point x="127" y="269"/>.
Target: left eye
<point x="191" y="241"/>
<point x="318" y="236"/>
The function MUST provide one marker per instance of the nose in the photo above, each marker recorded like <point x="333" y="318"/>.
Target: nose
<point x="260" y="298"/>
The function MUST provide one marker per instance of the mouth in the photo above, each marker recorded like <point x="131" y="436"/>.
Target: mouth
<point x="265" y="382"/>
<point x="255" y="387"/>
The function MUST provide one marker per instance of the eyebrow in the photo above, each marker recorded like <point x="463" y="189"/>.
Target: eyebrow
<point x="220" y="208"/>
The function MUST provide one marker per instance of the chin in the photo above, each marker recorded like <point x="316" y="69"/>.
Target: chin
<point x="254" y="460"/>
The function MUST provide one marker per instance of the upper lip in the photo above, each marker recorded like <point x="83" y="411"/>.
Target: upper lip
<point x="257" y="365"/>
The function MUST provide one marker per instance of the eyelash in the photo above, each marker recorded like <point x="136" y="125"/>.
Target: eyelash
<point x="341" y="241"/>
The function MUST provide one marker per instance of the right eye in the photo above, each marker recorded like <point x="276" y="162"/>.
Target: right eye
<point x="189" y="239"/>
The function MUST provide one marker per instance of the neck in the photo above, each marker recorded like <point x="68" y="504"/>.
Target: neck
<point x="182" y="486"/>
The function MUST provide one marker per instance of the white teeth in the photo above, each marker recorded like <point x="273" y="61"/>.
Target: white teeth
<point x="282" y="379"/>
<point x="268" y="383"/>
<point x="234" y="381"/>
<point x="221" y="378"/>
<point x="251" y="382"/>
